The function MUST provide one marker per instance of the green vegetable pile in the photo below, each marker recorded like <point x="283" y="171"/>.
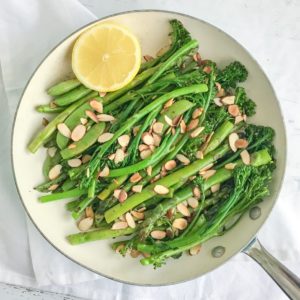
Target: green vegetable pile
<point x="167" y="162"/>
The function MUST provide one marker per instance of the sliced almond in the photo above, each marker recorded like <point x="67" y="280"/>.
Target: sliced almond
<point x="52" y="151"/>
<point x="145" y="153"/>
<point x="134" y="253"/>
<point x="197" y="58"/>
<point x="216" y="187"/>
<point x="119" y="156"/>
<point x="147" y="138"/>
<point x="52" y="104"/>
<point x="111" y="156"/>
<point x="218" y="101"/>
<point x="168" y="120"/>
<point x="137" y="188"/>
<point x="170" y="213"/>
<point x="203" y="170"/>
<point x="182" y="126"/>
<point x="104" y="137"/>
<point x="158" y="127"/>
<point x="105" y="118"/>
<point x="97" y="106"/>
<point x="74" y="162"/>
<point x="207" y="140"/>
<point x="183" y="210"/>
<point x="199" y="154"/>
<point x="193" y="124"/>
<point x="104" y="172"/>
<point x="245" y="117"/>
<point x="238" y="119"/>
<point x="245" y="156"/>
<point x="130" y="221"/>
<point x="78" y="133"/>
<point x="102" y="94"/>
<point x="92" y="115"/>
<point x="169" y="103"/>
<point x="207" y="69"/>
<point x="89" y="212"/>
<point x="158" y="234"/>
<point x="119" y="225"/>
<point x="233" y="137"/>
<point x="177" y="120"/>
<point x="193" y="202"/>
<point x="234" y="110"/>
<point x="54" y="172"/>
<point x="72" y="146"/>
<point x="45" y="122"/>
<point x="195" y="250"/>
<point x="117" y="193"/>
<point x="208" y="174"/>
<point x="64" y="130"/>
<point x="220" y="93"/>
<point x="180" y="223"/>
<point x="148" y="57"/>
<point x="196" y="192"/>
<point x="85" y="224"/>
<point x="157" y="139"/>
<point x="124" y="140"/>
<point x="230" y="166"/>
<point x="228" y="100"/>
<point x="53" y="187"/>
<point x="122" y="196"/>
<point x="136" y="177"/>
<point x="137" y="214"/>
<point x="122" y="218"/>
<point x="161" y="190"/>
<point x="197" y="112"/>
<point x="119" y="248"/>
<point x="218" y="86"/>
<point x="170" y="165"/>
<point x="196" y="132"/>
<point x="183" y="159"/>
<point x="162" y="50"/>
<point x="143" y="147"/>
<point x="149" y="170"/>
<point x="173" y="131"/>
<point x="152" y="148"/>
<point x="135" y="130"/>
<point x="241" y="143"/>
<point x="83" y="121"/>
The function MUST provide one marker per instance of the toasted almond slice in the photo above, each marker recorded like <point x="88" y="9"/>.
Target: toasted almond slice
<point x="169" y="103"/>
<point x="163" y="173"/>
<point x="245" y="117"/>
<point x="148" y="57"/>
<point x="149" y="170"/>
<point x="119" y="156"/>
<point x="105" y="118"/>
<point x="163" y="50"/>
<point x="216" y="187"/>
<point x="54" y="172"/>
<point x="136" y="177"/>
<point x="117" y="193"/>
<point x="233" y="137"/>
<point x="147" y="138"/>
<point x="170" y="213"/>
<point x="135" y="130"/>
<point x="245" y="156"/>
<point x="72" y="146"/>
<point x="207" y="69"/>
<point x="183" y="159"/>
<point x="180" y="223"/>
<point x="228" y="100"/>
<point x="104" y="172"/>
<point x="152" y="148"/>
<point x="111" y="156"/>
<point x="182" y="126"/>
<point x="161" y="190"/>
<point x="199" y="154"/>
<point x="221" y="93"/>
<point x="129" y="219"/>
<point x="193" y="124"/>
<point x="177" y="120"/>
<point x="52" y="151"/>
<point x="168" y="120"/>
<point x="134" y="253"/>
<point x="157" y="139"/>
<point x="89" y="213"/>
<point x="45" y="122"/>
<point x="85" y="224"/>
<point x="97" y="106"/>
<point x="122" y="196"/>
<point x="158" y="234"/>
<point x="195" y="250"/>
<point x="209" y="166"/>
<point x="83" y="121"/>
<point x="183" y="210"/>
<point x="145" y="153"/>
<point x="123" y="140"/>
<point x="230" y="166"/>
<point x="137" y="214"/>
<point x="173" y="131"/>
<point x="143" y="147"/>
<point x="218" y="86"/>
<point x="197" y="58"/>
<point x="119" y="225"/>
<point x="137" y="188"/>
<point x="145" y="254"/>
<point x="78" y="133"/>
<point x="197" y="112"/>
<point x="53" y="187"/>
<point x="52" y="105"/>
<point x="122" y="218"/>
<point x="92" y="115"/>
<point x="193" y="202"/>
<point x="196" y="132"/>
<point x="119" y="248"/>
<point x="104" y="137"/>
<point x="196" y="192"/>
<point x="234" y="110"/>
<point x="74" y="162"/>
<point x="208" y="174"/>
<point x="64" y="130"/>
<point x="241" y="143"/>
<point x="238" y="119"/>
<point x="102" y="94"/>
<point x="170" y="165"/>
<point x="218" y="102"/>
<point x="158" y="127"/>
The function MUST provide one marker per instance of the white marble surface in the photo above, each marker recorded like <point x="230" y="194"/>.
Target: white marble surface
<point x="270" y="30"/>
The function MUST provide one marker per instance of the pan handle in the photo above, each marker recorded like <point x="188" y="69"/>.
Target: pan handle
<point x="285" y="279"/>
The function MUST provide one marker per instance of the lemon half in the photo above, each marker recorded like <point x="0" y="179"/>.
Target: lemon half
<point x="106" y="57"/>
